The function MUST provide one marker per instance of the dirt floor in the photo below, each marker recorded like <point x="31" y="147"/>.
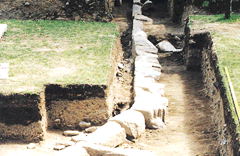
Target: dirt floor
<point x="189" y="124"/>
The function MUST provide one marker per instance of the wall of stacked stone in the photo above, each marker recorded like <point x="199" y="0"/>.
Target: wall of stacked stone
<point x="201" y="49"/>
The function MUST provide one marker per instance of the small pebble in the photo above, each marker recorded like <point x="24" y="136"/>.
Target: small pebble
<point x="59" y="147"/>
<point x="31" y="146"/>
<point x="71" y="133"/>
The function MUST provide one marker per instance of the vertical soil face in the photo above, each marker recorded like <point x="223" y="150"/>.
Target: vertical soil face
<point x="20" y="118"/>
<point x="202" y="51"/>
<point x="67" y="106"/>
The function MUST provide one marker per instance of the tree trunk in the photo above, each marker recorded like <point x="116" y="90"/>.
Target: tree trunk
<point x="228" y="9"/>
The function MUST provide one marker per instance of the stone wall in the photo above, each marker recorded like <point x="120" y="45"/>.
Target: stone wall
<point x="201" y="54"/>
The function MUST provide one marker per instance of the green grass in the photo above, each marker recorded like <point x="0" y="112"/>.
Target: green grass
<point x="226" y="38"/>
<point x="55" y="52"/>
<point x="235" y="18"/>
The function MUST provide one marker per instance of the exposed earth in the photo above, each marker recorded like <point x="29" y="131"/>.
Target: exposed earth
<point x="188" y="131"/>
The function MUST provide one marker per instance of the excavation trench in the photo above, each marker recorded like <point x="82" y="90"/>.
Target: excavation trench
<point x="196" y="117"/>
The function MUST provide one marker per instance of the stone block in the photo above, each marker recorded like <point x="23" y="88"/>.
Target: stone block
<point x="146" y="72"/>
<point x="137" y="25"/>
<point x="143" y="53"/>
<point x="97" y="150"/>
<point x="71" y="133"/>
<point x="72" y="151"/>
<point x="143" y="18"/>
<point x="129" y="152"/>
<point x="132" y="121"/>
<point x="136" y="10"/>
<point x="152" y="106"/>
<point x="152" y="50"/>
<point x="110" y="134"/>
<point x="80" y="137"/>
<point x="148" y="84"/>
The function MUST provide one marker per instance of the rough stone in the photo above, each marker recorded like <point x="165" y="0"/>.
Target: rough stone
<point x="72" y="151"/>
<point x="147" y="49"/>
<point x="110" y="134"/>
<point x="152" y="106"/>
<point x="97" y="150"/>
<point x="166" y="46"/>
<point x="136" y="10"/>
<point x="71" y="133"/>
<point x="80" y="137"/>
<point x="143" y="18"/>
<point x="132" y="121"/>
<point x="91" y="129"/>
<point x="3" y="28"/>
<point x="146" y="72"/>
<point x="148" y="5"/>
<point x="148" y="55"/>
<point x="59" y="147"/>
<point x="129" y="152"/>
<point x="66" y="144"/>
<point x="137" y="25"/>
<point x="84" y="124"/>
<point x="31" y="146"/>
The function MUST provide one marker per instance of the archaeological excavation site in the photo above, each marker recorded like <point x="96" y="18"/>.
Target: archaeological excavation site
<point x="160" y="90"/>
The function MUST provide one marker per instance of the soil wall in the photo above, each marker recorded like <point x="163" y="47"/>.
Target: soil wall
<point x="96" y="10"/>
<point x="22" y="118"/>
<point x="26" y="117"/>
<point x="67" y="106"/>
<point x="200" y="55"/>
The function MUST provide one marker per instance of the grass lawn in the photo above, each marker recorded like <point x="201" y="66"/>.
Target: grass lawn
<point x="55" y="52"/>
<point x="226" y="38"/>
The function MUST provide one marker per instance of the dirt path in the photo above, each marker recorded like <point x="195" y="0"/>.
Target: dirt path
<point x="188" y="128"/>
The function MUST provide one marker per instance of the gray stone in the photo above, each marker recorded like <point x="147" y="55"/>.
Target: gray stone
<point x="66" y="144"/>
<point x="120" y="66"/>
<point x="137" y="25"/>
<point x="110" y="134"/>
<point x="31" y="146"/>
<point x="152" y="50"/>
<point x="80" y="137"/>
<point x="167" y="47"/>
<point x="148" y="5"/>
<point x="91" y="129"/>
<point x="96" y="150"/>
<point x="84" y="124"/>
<point x="59" y="147"/>
<point x="136" y="10"/>
<point x="136" y="1"/>
<point x="152" y="106"/>
<point x="129" y="152"/>
<point x="71" y="133"/>
<point x="72" y="151"/>
<point x="132" y="121"/>
<point x="143" y="18"/>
